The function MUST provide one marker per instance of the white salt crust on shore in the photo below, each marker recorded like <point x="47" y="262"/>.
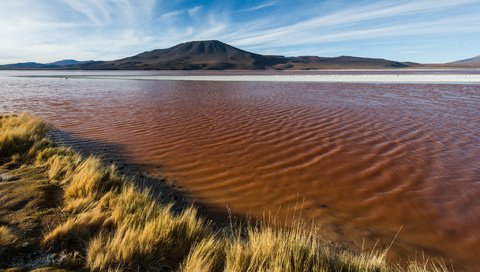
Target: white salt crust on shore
<point x="359" y="78"/>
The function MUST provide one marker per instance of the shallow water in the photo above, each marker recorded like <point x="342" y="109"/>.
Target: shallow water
<point x="365" y="161"/>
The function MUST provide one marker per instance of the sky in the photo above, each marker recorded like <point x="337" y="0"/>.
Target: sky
<point x="427" y="31"/>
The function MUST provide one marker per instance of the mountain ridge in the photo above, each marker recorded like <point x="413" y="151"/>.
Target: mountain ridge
<point x="216" y="55"/>
<point x="52" y="65"/>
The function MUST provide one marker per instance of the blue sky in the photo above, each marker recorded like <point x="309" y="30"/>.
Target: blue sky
<point x="404" y="30"/>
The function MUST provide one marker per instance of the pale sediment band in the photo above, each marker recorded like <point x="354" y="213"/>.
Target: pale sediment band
<point x="359" y="78"/>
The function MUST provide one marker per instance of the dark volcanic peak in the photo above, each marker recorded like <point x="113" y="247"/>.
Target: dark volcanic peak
<point x="192" y="49"/>
<point x="196" y="55"/>
<point x="211" y="47"/>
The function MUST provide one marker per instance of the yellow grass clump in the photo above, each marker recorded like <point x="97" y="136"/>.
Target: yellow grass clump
<point x="118" y="227"/>
<point x="60" y="161"/>
<point x="19" y="134"/>
<point x="6" y="237"/>
<point x="77" y="231"/>
<point x="92" y="179"/>
<point x="205" y="256"/>
<point x="268" y="247"/>
<point x="156" y="238"/>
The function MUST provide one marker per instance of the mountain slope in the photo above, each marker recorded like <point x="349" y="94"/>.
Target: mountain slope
<point x="192" y="56"/>
<point x="474" y="60"/>
<point x="215" y="55"/>
<point x="342" y="62"/>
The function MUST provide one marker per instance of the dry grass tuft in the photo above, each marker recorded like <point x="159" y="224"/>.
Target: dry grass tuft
<point x="426" y="265"/>
<point x="60" y="162"/>
<point x="80" y="205"/>
<point x="77" y="231"/>
<point x="16" y="159"/>
<point x="133" y="207"/>
<point x="148" y="236"/>
<point x="92" y="179"/>
<point x="270" y="248"/>
<point x="7" y="237"/>
<point x="50" y="269"/>
<point x="208" y="255"/>
<point x="19" y="133"/>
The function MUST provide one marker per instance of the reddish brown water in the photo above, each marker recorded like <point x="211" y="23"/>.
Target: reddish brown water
<point x="362" y="160"/>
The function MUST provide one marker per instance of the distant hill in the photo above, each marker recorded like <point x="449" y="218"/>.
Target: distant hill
<point x="342" y="62"/>
<point x="68" y="63"/>
<point x="22" y="65"/>
<point x="215" y="55"/>
<point x="474" y="60"/>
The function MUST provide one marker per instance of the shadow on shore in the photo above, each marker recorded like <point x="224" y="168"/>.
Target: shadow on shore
<point x="164" y="190"/>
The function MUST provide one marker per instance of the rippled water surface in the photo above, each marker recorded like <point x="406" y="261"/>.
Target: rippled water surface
<point x="365" y="161"/>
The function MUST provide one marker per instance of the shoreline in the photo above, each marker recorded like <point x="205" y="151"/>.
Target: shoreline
<point x="106" y="221"/>
<point x="161" y="187"/>
<point x="323" y="78"/>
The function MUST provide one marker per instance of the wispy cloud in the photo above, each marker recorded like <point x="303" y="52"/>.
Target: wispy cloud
<point x="174" y="13"/>
<point x="95" y="11"/>
<point x="260" y="6"/>
<point x="171" y="14"/>
<point x="193" y="11"/>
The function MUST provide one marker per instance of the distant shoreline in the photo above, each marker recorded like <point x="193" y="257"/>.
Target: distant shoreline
<point x="463" y="78"/>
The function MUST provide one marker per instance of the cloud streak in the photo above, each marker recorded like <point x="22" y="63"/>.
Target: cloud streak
<point x="174" y="13"/>
<point x="260" y="6"/>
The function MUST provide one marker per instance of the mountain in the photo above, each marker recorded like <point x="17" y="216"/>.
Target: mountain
<point x="215" y="55"/>
<point x="53" y="65"/>
<point x="342" y="62"/>
<point x="23" y="65"/>
<point x="205" y="55"/>
<point x="474" y="60"/>
<point x="68" y="62"/>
